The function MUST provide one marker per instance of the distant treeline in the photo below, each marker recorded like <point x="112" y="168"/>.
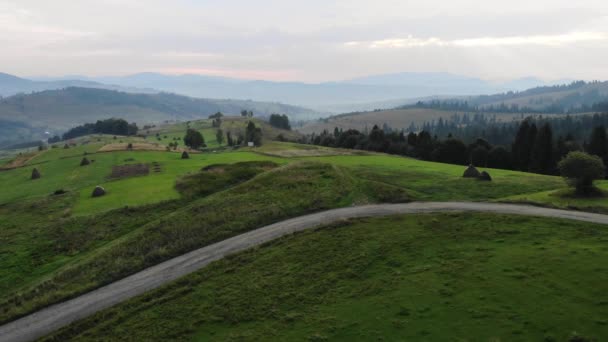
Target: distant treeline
<point x="108" y="126"/>
<point x="469" y="127"/>
<point x="574" y="103"/>
<point x="534" y="144"/>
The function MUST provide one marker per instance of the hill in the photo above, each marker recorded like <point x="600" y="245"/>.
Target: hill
<point x="58" y="110"/>
<point x="59" y="241"/>
<point x="355" y="94"/>
<point x="577" y="96"/>
<point x="418" y="277"/>
<point x="395" y="118"/>
<point x="12" y="85"/>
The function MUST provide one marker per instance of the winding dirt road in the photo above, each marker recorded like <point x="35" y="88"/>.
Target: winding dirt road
<point x="54" y="317"/>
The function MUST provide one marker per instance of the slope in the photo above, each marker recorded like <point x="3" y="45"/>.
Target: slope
<point x="61" y="109"/>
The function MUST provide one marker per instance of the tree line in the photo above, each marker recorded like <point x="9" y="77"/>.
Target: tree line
<point x="108" y="126"/>
<point x="533" y="145"/>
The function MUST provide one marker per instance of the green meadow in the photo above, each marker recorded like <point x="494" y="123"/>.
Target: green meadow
<point x="448" y="277"/>
<point x="487" y="276"/>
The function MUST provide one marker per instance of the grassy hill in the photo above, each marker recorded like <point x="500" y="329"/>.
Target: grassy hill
<point x="473" y="273"/>
<point x="425" y="277"/>
<point x="61" y="109"/>
<point x="566" y="96"/>
<point x="395" y="118"/>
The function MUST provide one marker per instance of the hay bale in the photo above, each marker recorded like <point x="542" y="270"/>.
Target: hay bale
<point x="35" y="174"/>
<point x="471" y="172"/>
<point x="99" y="191"/>
<point x="484" y="176"/>
<point x="84" y="161"/>
<point x="185" y="155"/>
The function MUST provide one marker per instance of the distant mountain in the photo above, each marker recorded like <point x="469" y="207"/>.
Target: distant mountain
<point x="344" y="96"/>
<point x="12" y="85"/>
<point x="355" y="94"/>
<point x="57" y="110"/>
<point x="575" y="96"/>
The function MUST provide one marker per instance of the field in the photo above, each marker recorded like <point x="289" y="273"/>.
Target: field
<point x="57" y="246"/>
<point x="427" y="277"/>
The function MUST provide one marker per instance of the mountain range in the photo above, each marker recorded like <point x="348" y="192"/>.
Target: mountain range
<point x="379" y="91"/>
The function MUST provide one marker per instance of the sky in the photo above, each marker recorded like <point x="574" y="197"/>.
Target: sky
<point x="309" y="41"/>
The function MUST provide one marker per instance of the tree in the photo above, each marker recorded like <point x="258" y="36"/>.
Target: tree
<point x="598" y="144"/>
<point x="253" y="134"/>
<point x="194" y="139"/>
<point x="216" y="115"/>
<point x="229" y="139"/>
<point x="451" y="151"/>
<point x="581" y="169"/>
<point x="479" y="156"/>
<point x="54" y="139"/>
<point x="499" y="158"/>
<point x="219" y="136"/>
<point x="280" y="121"/>
<point x="411" y="139"/>
<point x="522" y="146"/>
<point x="541" y="160"/>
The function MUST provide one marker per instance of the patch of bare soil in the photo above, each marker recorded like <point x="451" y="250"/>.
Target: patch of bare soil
<point x="130" y="170"/>
<point x="19" y="161"/>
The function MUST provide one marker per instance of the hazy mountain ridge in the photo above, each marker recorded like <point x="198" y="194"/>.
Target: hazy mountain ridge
<point x="337" y="96"/>
<point x="12" y="85"/>
<point x="58" y="110"/>
<point x="574" y="96"/>
<point x="364" y="93"/>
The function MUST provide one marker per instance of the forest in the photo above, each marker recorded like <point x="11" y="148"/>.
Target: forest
<point x="534" y="144"/>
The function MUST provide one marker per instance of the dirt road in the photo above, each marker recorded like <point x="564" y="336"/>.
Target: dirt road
<point x="54" y="317"/>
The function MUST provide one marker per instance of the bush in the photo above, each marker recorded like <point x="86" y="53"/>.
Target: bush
<point x="194" y="139"/>
<point x="581" y="169"/>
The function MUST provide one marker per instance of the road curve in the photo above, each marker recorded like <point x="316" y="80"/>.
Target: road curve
<point x="59" y="315"/>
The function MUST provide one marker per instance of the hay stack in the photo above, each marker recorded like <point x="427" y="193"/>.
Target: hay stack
<point x="471" y="172"/>
<point x="484" y="176"/>
<point x="35" y="174"/>
<point x="84" y="161"/>
<point x="185" y="155"/>
<point x="99" y="191"/>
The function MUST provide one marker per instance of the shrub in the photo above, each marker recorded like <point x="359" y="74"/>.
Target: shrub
<point x="581" y="169"/>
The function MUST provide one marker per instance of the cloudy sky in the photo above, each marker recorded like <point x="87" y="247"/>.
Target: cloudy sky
<point x="312" y="40"/>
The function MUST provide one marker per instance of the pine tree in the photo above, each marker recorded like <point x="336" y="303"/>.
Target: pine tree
<point x="598" y="144"/>
<point x="541" y="160"/>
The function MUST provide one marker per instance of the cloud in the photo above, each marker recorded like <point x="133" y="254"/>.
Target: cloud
<point x="540" y="40"/>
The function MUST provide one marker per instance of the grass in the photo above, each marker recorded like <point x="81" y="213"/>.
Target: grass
<point x="565" y="198"/>
<point x="214" y="178"/>
<point x="38" y="238"/>
<point x="459" y="276"/>
<point x="64" y="172"/>
<point x="439" y="182"/>
<point x="279" y="194"/>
